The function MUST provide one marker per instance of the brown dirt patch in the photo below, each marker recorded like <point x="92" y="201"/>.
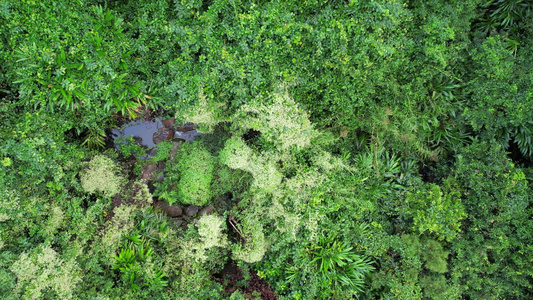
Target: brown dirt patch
<point x="117" y="201"/>
<point x="232" y="279"/>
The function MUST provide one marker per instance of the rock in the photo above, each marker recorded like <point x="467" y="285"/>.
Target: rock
<point x="171" y="210"/>
<point x="207" y="210"/>
<point x="162" y="134"/>
<point x="168" y="123"/>
<point x="178" y="222"/>
<point x="186" y="128"/>
<point x="191" y="210"/>
<point x="147" y="173"/>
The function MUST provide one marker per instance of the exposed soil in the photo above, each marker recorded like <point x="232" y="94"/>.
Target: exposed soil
<point x="232" y="279"/>
<point x="117" y="201"/>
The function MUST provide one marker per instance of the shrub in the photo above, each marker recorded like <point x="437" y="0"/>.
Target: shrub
<point x="491" y="258"/>
<point x="334" y="266"/>
<point x="44" y="269"/>
<point x="237" y="155"/>
<point x="196" y="167"/>
<point x="255" y="245"/>
<point x="435" y="212"/>
<point x="210" y="228"/>
<point x="102" y="176"/>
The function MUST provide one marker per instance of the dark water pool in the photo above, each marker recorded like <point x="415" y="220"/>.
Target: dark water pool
<point x="143" y="132"/>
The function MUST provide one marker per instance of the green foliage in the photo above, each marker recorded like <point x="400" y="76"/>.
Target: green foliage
<point x="81" y="65"/>
<point x="128" y="147"/>
<point x="196" y="167"/>
<point x="131" y="256"/>
<point x="163" y="151"/>
<point x="436" y="287"/>
<point x="152" y="226"/>
<point x="510" y="16"/>
<point x="501" y="102"/>
<point x="435" y="257"/>
<point x="491" y="257"/>
<point x="125" y="259"/>
<point x="435" y="212"/>
<point x="354" y="120"/>
<point x="188" y="181"/>
<point x="338" y="264"/>
<point x="95" y="139"/>
<point x="138" y="258"/>
<point x="255" y="242"/>
<point x="226" y="180"/>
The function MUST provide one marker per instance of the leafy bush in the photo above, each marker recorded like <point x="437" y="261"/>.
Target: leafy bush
<point x="501" y="104"/>
<point x="255" y="242"/>
<point x="210" y="228"/>
<point x="433" y="211"/>
<point x="196" y="167"/>
<point x="83" y="64"/>
<point x="102" y="176"/>
<point x="337" y="265"/>
<point x="490" y="257"/>
<point x="42" y="270"/>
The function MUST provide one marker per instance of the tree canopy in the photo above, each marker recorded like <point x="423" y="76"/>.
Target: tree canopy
<point x="377" y="149"/>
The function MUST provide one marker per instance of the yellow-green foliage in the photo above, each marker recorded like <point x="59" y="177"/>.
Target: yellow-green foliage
<point x="283" y="122"/>
<point x="237" y="155"/>
<point x="9" y="205"/>
<point x="204" y="113"/>
<point x="287" y="221"/>
<point x="256" y="244"/>
<point x="42" y="270"/>
<point x="143" y="194"/>
<point x="210" y="229"/>
<point x="122" y="223"/>
<point x="101" y="175"/>
<point x="54" y="221"/>
<point x="327" y="162"/>
<point x="298" y="192"/>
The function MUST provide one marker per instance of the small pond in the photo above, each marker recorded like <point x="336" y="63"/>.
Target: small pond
<point x="150" y="133"/>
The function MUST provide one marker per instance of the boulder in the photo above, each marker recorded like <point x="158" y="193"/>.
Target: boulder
<point x="171" y="210"/>
<point x="162" y="134"/>
<point x="147" y="173"/>
<point x="206" y="210"/>
<point x="191" y="210"/>
<point x="186" y="128"/>
<point x="168" y="123"/>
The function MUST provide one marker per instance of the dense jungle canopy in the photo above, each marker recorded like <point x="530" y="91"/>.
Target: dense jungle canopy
<point x="310" y="149"/>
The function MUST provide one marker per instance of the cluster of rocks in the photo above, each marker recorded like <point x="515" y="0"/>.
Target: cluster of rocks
<point x="180" y="214"/>
<point x="175" y="211"/>
<point x="185" y="133"/>
<point x="178" y="135"/>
